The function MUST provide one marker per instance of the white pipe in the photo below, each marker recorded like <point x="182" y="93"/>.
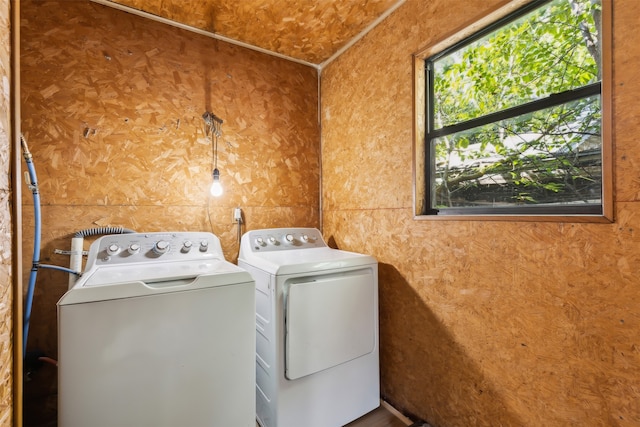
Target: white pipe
<point x="75" y="261"/>
<point x="77" y="244"/>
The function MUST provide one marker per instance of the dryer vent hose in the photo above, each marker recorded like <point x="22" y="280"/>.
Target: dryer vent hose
<point x="102" y="231"/>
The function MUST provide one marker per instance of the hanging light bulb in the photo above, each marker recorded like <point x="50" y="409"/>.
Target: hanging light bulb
<point x="214" y="130"/>
<point x="216" y="186"/>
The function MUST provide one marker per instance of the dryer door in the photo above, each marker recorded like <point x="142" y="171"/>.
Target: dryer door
<point x="329" y="320"/>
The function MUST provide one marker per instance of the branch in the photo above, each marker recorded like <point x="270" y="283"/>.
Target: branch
<point x="591" y="42"/>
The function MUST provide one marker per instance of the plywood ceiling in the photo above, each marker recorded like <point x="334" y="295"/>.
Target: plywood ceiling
<point x="308" y="31"/>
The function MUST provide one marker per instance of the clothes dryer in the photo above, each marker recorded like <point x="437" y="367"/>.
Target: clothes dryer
<point x="316" y="329"/>
<point x="158" y="331"/>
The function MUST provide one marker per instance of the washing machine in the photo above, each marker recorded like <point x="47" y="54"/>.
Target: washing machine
<point x="317" y="361"/>
<point x="158" y="331"/>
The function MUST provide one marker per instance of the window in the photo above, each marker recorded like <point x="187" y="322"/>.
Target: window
<point x="514" y="117"/>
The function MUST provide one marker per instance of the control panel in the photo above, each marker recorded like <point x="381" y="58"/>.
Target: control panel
<point x="145" y="247"/>
<point x="282" y="239"/>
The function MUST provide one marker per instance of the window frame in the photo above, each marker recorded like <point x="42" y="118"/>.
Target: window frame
<point x="422" y="167"/>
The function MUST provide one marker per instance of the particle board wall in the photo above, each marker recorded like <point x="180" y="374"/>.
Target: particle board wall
<point x="111" y="108"/>
<point x="483" y="323"/>
<point x="310" y="31"/>
<point x="6" y="257"/>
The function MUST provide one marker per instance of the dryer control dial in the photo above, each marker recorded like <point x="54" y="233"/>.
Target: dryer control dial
<point x="282" y="239"/>
<point x="133" y="248"/>
<point x="204" y="245"/>
<point x="161" y="247"/>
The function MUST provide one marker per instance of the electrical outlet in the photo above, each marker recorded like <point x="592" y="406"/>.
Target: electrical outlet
<point x="237" y="215"/>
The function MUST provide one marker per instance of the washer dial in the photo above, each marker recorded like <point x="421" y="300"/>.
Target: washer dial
<point x="161" y="247"/>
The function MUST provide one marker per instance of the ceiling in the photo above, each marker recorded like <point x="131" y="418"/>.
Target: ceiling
<point x="312" y="32"/>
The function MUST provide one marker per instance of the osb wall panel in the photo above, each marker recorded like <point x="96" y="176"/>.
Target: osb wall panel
<point x="311" y="31"/>
<point x="111" y="109"/>
<point x="6" y="297"/>
<point x="626" y="86"/>
<point x="483" y="324"/>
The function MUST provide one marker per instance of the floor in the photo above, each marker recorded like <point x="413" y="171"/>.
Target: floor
<point x="44" y="413"/>
<point x="380" y="417"/>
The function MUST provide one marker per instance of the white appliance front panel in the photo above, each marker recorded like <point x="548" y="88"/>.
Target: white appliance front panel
<point x="329" y="320"/>
<point x="163" y="360"/>
<point x="282" y="267"/>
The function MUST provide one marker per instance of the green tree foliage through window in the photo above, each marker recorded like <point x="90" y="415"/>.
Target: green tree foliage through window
<point x="514" y="115"/>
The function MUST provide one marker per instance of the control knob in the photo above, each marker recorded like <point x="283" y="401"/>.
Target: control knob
<point x="260" y="241"/>
<point x="113" y="249"/>
<point x="161" y="247"/>
<point x="289" y="238"/>
<point x="204" y="245"/>
<point x="186" y="246"/>
<point x="133" y="248"/>
<point x="273" y="241"/>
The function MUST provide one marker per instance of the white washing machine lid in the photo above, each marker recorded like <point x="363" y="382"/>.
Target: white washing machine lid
<point x="219" y="273"/>
<point x="154" y="273"/>
<point x="139" y="264"/>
